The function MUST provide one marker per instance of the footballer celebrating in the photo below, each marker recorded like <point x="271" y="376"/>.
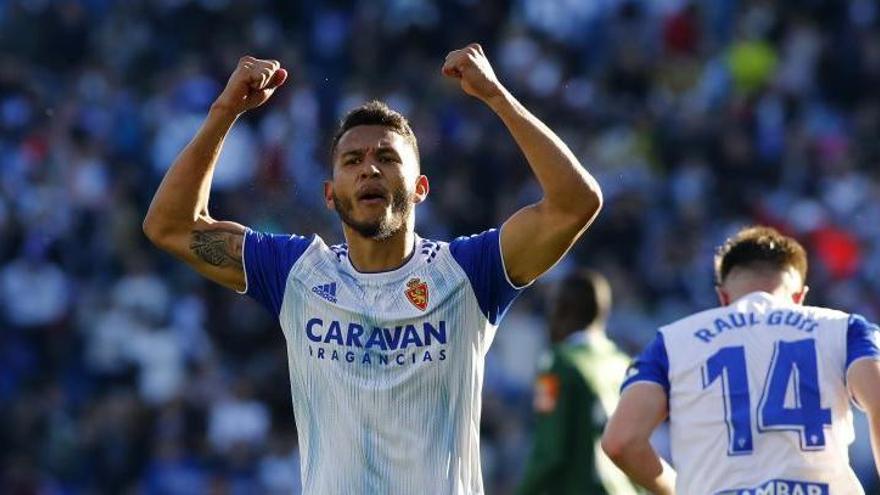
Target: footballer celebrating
<point x="386" y="334"/>
<point x="757" y="391"/>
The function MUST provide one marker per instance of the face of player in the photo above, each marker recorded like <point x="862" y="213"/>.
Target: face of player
<point x="376" y="182"/>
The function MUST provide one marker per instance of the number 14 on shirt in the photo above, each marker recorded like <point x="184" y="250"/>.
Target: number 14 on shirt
<point x="792" y="361"/>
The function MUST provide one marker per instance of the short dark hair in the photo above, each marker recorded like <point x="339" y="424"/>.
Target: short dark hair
<point x="760" y="247"/>
<point x="583" y="298"/>
<point x="375" y="112"/>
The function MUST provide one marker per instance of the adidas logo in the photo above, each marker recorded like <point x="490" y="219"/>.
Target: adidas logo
<point x="327" y="291"/>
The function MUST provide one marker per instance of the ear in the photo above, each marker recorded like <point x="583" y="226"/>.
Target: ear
<point x="328" y="195"/>
<point x="422" y="188"/>
<point x="723" y="298"/>
<point x="799" y="296"/>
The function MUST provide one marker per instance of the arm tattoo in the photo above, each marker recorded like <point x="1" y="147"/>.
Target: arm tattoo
<point x="217" y="247"/>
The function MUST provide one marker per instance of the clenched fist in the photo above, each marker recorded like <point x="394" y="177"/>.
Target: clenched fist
<point x="471" y="67"/>
<point x="251" y="84"/>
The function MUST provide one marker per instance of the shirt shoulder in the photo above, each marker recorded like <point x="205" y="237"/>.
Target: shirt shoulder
<point x="826" y="314"/>
<point x="267" y="261"/>
<point x="481" y="259"/>
<point x="652" y="365"/>
<point x="862" y="339"/>
<point x="688" y="323"/>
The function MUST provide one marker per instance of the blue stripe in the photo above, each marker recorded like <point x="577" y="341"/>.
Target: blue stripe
<point x="652" y="365"/>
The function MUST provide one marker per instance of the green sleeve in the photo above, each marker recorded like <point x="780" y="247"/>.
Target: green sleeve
<point x="548" y="454"/>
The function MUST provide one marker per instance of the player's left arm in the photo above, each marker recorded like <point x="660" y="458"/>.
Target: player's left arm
<point x="537" y="236"/>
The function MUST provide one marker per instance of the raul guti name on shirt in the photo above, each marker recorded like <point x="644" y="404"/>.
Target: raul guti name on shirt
<point x="737" y="319"/>
<point x="356" y="343"/>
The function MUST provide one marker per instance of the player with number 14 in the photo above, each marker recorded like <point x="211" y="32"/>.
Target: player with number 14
<point x="757" y="391"/>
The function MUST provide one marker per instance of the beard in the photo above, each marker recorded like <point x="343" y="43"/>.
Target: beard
<point x="383" y="227"/>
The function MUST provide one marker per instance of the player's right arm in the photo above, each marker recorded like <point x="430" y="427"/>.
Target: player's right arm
<point x="627" y="438"/>
<point x="178" y="220"/>
<point x="644" y="404"/>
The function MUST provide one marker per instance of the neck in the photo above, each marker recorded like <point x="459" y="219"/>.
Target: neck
<point x="780" y="292"/>
<point x="598" y="327"/>
<point x="370" y="255"/>
<point x="594" y="329"/>
<point x="786" y="285"/>
<point x="775" y="289"/>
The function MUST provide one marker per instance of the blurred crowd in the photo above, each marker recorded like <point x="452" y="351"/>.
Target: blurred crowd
<point x="121" y="371"/>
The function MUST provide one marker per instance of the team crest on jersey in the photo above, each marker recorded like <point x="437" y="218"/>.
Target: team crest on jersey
<point x="417" y="293"/>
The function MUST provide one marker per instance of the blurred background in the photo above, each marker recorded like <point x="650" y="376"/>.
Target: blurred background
<point x="121" y="371"/>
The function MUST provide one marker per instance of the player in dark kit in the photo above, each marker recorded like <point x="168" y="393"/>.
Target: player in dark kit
<point x="576" y="392"/>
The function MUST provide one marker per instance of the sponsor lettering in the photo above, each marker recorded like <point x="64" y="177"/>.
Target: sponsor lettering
<point x="355" y="343"/>
<point x="781" y="487"/>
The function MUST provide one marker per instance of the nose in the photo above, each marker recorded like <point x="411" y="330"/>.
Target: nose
<point x="369" y="169"/>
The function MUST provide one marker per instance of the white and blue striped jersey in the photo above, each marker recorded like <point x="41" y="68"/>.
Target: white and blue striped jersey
<point x="758" y="402"/>
<point x="386" y="369"/>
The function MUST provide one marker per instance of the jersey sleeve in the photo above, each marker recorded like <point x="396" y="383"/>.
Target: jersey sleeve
<point x="267" y="260"/>
<point x="480" y="258"/>
<point x="652" y="365"/>
<point x="861" y="340"/>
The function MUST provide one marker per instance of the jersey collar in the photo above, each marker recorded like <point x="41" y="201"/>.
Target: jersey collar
<point x="398" y="272"/>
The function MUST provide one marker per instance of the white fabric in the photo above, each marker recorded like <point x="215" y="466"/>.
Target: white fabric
<point x="406" y="425"/>
<point x="700" y="434"/>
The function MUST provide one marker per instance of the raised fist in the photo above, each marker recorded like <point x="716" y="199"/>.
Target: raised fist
<point x="471" y="67"/>
<point x="251" y="84"/>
